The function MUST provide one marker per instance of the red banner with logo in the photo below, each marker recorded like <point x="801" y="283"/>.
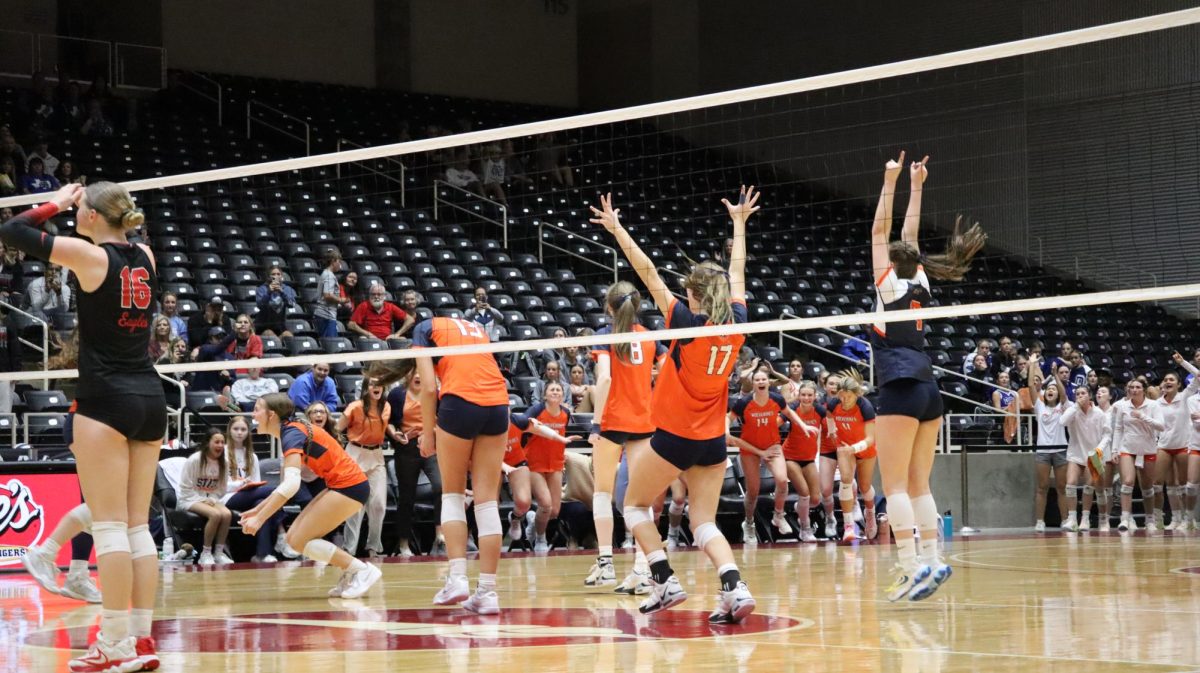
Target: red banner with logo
<point x="30" y="506"/>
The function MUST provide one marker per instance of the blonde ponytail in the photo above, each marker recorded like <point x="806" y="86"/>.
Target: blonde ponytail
<point x="622" y="301"/>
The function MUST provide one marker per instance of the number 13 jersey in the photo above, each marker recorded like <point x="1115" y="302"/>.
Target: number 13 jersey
<point x="691" y="396"/>
<point x="900" y="346"/>
<point x="114" y="327"/>
<point x="476" y="378"/>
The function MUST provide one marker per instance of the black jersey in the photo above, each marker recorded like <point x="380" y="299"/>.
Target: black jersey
<point x="900" y="346"/>
<point x="114" y="327"/>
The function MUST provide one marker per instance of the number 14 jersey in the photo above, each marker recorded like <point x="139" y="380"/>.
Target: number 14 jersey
<point x="114" y="327"/>
<point x="691" y="396"/>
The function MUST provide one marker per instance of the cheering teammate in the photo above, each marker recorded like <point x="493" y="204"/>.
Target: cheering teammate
<point x="516" y="466"/>
<point x="853" y="420"/>
<point x="760" y="442"/>
<point x="800" y="452"/>
<point x="688" y="406"/>
<point x="910" y="405"/>
<point x="346" y="491"/>
<point x="469" y="414"/>
<point x="622" y="414"/>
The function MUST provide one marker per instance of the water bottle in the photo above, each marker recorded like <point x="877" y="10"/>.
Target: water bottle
<point x="947" y="525"/>
<point x="168" y="548"/>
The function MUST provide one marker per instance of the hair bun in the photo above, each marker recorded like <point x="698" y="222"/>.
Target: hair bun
<point x="132" y="218"/>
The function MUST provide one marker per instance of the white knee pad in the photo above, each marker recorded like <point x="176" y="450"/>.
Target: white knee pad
<point x="454" y="507"/>
<point x="1126" y="490"/>
<point x="320" y="550"/>
<point x="1149" y="492"/>
<point x="706" y="533"/>
<point x="827" y="500"/>
<point x="83" y="516"/>
<point x="1089" y="490"/>
<point x="1175" y="491"/>
<point x="846" y="492"/>
<point x="925" y="512"/>
<point x="636" y="516"/>
<point x="602" y="505"/>
<point x="900" y="511"/>
<point x="141" y="542"/>
<point x="1072" y="491"/>
<point x="110" y="537"/>
<point x="677" y="508"/>
<point x="869" y="497"/>
<point x="1192" y="489"/>
<point x="487" y="518"/>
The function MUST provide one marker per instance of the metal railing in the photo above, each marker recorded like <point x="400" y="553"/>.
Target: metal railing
<point x="848" y="358"/>
<point x="218" y="99"/>
<point x="45" y="347"/>
<point x="399" y="166"/>
<point x="178" y="412"/>
<point x="439" y="201"/>
<point x="543" y="243"/>
<point x="137" y="66"/>
<point x="251" y="120"/>
<point x="59" y="415"/>
<point x="146" y="72"/>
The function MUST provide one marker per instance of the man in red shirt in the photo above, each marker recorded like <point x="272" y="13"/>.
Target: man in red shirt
<point x="377" y="317"/>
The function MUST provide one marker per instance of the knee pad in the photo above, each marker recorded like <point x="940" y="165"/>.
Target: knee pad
<point x="677" y="508"/>
<point x="320" y="550"/>
<point x="706" y="533"/>
<point x="1192" y="489"/>
<point x="1174" y="491"/>
<point x="141" y="542"/>
<point x="602" y="505"/>
<point x="636" y="516"/>
<point x="111" y="537"/>
<point x="487" y="518"/>
<point x="1149" y="492"/>
<point x="83" y="516"/>
<point x="1126" y="490"/>
<point x="869" y="497"/>
<point x="1089" y="490"/>
<point x="846" y="491"/>
<point x="827" y="500"/>
<point x="454" y="507"/>
<point x="925" y="512"/>
<point x="1072" y="491"/>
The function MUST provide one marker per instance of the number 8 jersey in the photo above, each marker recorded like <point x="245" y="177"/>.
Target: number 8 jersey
<point x="691" y="397"/>
<point x="476" y="378"/>
<point x="627" y="408"/>
<point x="114" y="327"/>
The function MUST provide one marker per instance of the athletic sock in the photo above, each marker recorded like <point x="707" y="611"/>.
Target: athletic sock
<point x="729" y="576"/>
<point x="660" y="569"/>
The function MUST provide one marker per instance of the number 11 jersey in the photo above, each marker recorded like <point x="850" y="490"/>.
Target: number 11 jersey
<point x="114" y="327"/>
<point x="691" y="396"/>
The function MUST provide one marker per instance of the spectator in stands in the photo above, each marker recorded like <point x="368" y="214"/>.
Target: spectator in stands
<point x="379" y="318"/>
<point x="329" y="297"/>
<point x="460" y="175"/>
<point x="11" y="149"/>
<point x="314" y="386"/>
<point x="71" y="110"/>
<point x="364" y="423"/>
<point x="552" y="373"/>
<point x="410" y="301"/>
<point x="203" y="482"/>
<point x="970" y="362"/>
<point x="317" y="413"/>
<point x="247" y="488"/>
<point x="48" y="295"/>
<point x="201" y="322"/>
<point x="160" y="337"/>
<point x="1079" y="370"/>
<point x="579" y="390"/>
<point x="1093" y="382"/>
<point x="273" y="299"/>
<point x="1004" y="399"/>
<point x="169" y="307"/>
<point x="216" y="347"/>
<point x="1062" y="375"/>
<point x="97" y="124"/>
<point x="514" y="163"/>
<point x="1051" y="444"/>
<point x="494" y="174"/>
<point x="250" y="387"/>
<point x="41" y="150"/>
<point x="1018" y="374"/>
<point x="1006" y="357"/>
<point x="12" y="275"/>
<point x="552" y="159"/>
<point x="9" y="181"/>
<point x="981" y="382"/>
<point x="67" y="173"/>
<point x="483" y="313"/>
<point x="1104" y="379"/>
<point x="353" y="293"/>
<point x="246" y="344"/>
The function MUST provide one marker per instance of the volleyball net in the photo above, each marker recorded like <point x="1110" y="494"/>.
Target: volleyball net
<point x="1073" y="150"/>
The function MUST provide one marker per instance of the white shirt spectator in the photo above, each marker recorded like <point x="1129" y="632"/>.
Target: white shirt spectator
<point x="490" y="318"/>
<point x="239" y="474"/>
<point x="246" y="390"/>
<point x="328" y="284"/>
<point x="42" y="300"/>
<point x="493" y="171"/>
<point x="200" y="485"/>
<point x="1051" y="433"/>
<point x="461" y="177"/>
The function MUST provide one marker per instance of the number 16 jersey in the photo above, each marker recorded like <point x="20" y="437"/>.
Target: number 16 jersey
<point x="114" y="327"/>
<point x="691" y="396"/>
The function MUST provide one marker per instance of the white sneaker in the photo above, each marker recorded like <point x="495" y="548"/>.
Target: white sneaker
<point x="928" y="579"/>
<point x="848" y="535"/>
<point x="628" y="543"/>
<point x="1123" y="526"/>
<point x="871" y="526"/>
<point x="635" y="584"/>
<point x="733" y="606"/>
<point x="780" y="523"/>
<point x="542" y="545"/>
<point x="831" y="529"/>
<point x="1174" y="525"/>
<point x="269" y="558"/>
<point x="284" y="549"/>
<point x="806" y="535"/>
<point x="530" y="525"/>
<point x="39" y="564"/>
<point x="1104" y="525"/>
<point x="106" y="656"/>
<point x="1086" y="524"/>
<point x="672" y="542"/>
<point x="456" y="591"/>
<point x="1039" y="527"/>
<point x="222" y="558"/>
<point x="342" y="584"/>
<point x="514" y="527"/>
<point x="1151" y="526"/>
<point x="602" y="574"/>
<point x="903" y="582"/>
<point x="663" y="596"/>
<point x="1069" y="525"/>
<point x="206" y="558"/>
<point x="482" y="603"/>
<point x="362" y="581"/>
<point x="1133" y="524"/>
<point x="403" y="551"/>
<point x="80" y="587"/>
<point x="749" y="535"/>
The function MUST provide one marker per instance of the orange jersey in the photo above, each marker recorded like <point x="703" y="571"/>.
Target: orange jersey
<point x="627" y="408"/>
<point x="514" y="452"/>
<point x="800" y="445"/>
<point x="547" y="455"/>
<point x="760" y="422"/>
<point x="475" y="378"/>
<point x="364" y="430"/>
<point x="325" y="457"/>
<point x="691" y="396"/>
<point x="851" y="424"/>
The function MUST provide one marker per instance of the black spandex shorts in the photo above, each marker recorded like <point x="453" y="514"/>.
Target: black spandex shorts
<point x="685" y="453"/>
<point x="620" y="437"/>
<point x="469" y="420"/>
<point x="141" y="418"/>
<point x="360" y="491"/>
<point x="802" y="463"/>
<point x="909" y="397"/>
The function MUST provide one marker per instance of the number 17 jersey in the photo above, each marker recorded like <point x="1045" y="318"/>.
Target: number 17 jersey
<point x="114" y="327"/>
<point x="691" y="396"/>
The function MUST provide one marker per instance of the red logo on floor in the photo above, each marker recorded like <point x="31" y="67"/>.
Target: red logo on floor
<point x="364" y="629"/>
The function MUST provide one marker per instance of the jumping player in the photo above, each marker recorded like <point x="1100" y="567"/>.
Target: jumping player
<point x="469" y="414"/>
<point x="910" y="404"/>
<point x="689" y="405"/>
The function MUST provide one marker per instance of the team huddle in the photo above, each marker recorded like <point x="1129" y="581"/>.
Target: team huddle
<point x="650" y="435"/>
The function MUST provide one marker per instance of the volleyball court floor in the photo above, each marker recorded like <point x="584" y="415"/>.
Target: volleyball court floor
<point x="1022" y="602"/>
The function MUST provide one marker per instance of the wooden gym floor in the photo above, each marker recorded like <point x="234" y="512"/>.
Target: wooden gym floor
<point x="1018" y="603"/>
